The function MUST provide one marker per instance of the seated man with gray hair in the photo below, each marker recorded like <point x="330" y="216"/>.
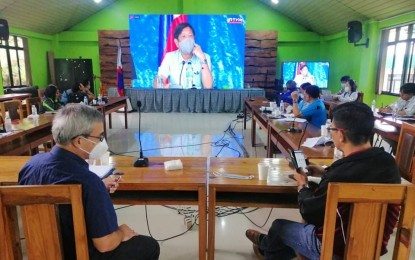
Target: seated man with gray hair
<point x="78" y="131"/>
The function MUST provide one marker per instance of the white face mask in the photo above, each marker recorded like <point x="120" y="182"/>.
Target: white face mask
<point x="98" y="151"/>
<point x="347" y="89"/>
<point x="343" y="85"/>
<point x="186" y="46"/>
<point x="301" y="95"/>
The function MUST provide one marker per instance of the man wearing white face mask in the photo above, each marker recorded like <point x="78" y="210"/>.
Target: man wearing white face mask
<point x="78" y="132"/>
<point x="175" y="64"/>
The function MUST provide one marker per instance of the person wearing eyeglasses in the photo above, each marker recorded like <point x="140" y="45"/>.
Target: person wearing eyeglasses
<point x="78" y="131"/>
<point x="351" y="130"/>
<point x="405" y="105"/>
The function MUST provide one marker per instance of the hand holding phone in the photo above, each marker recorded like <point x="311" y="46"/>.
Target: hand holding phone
<point x="299" y="161"/>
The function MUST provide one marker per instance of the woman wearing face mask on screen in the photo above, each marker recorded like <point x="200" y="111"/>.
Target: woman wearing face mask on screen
<point x="187" y="67"/>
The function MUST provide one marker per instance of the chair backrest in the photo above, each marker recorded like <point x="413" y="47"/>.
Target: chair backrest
<point x="367" y="218"/>
<point x="14" y="107"/>
<point x="405" y="152"/>
<point x="38" y="205"/>
<point x="41" y="92"/>
<point x="37" y="101"/>
<point x="359" y="96"/>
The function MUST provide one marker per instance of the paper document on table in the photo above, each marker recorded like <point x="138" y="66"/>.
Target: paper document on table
<point x="311" y="142"/>
<point x="292" y="119"/>
<point x="4" y="134"/>
<point x="101" y="171"/>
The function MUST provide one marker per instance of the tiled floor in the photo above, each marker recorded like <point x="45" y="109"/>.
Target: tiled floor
<point x="189" y="134"/>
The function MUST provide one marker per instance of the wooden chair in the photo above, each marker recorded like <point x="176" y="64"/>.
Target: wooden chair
<point x="37" y="101"/>
<point x="405" y="153"/>
<point x="14" y="107"/>
<point x="367" y="219"/>
<point x="360" y="96"/>
<point x="38" y="207"/>
<point x="41" y="92"/>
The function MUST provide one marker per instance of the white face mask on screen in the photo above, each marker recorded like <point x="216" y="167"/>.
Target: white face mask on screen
<point x="186" y="46"/>
<point x="98" y="151"/>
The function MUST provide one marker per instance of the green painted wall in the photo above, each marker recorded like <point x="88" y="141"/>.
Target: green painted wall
<point x="294" y="41"/>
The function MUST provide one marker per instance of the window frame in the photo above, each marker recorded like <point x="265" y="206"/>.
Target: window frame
<point x="9" y="49"/>
<point x="385" y="43"/>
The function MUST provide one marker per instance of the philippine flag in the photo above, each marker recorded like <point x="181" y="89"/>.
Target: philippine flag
<point x="168" y="24"/>
<point x="120" y="76"/>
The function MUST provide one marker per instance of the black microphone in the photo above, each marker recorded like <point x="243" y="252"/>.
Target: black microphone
<point x="181" y="71"/>
<point x="294" y="129"/>
<point x="302" y="136"/>
<point x="141" y="161"/>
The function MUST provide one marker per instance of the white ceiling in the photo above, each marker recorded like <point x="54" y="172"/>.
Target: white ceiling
<point x="324" y="17"/>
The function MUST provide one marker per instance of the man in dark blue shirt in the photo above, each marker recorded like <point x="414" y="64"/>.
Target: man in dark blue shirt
<point x="78" y="132"/>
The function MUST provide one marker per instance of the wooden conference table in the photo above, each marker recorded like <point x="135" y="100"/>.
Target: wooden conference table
<point x="18" y="96"/>
<point x="278" y="135"/>
<point x="27" y="135"/>
<point x="146" y="186"/>
<point x="155" y="186"/>
<point x="114" y="104"/>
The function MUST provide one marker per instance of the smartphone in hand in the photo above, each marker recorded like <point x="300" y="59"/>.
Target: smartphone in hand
<point x="299" y="160"/>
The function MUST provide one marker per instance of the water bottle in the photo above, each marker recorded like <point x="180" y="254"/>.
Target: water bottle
<point x="160" y="83"/>
<point x="373" y="106"/>
<point x="8" y="122"/>
<point x="34" y="110"/>
<point x="282" y="109"/>
<point x="86" y="100"/>
<point x="189" y="75"/>
<point x="328" y="124"/>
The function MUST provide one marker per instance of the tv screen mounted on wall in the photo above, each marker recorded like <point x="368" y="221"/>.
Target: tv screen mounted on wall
<point x="315" y="72"/>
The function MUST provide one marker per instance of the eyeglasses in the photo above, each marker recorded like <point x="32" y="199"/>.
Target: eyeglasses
<point x="101" y="137"/>
<point x="335" y="129"/>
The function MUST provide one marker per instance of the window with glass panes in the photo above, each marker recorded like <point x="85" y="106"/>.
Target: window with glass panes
<point x="13" y="61"/>
<point x="397" y="65"/>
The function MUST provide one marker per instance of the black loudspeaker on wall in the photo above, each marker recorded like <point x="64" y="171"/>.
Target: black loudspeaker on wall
<point x="4" y="30"/>
<point x="354" y="31"/>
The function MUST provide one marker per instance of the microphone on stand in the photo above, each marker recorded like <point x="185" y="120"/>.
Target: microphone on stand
<point x="302" y="136"/>
<point x="181" y="71"/>
<point x="294" y="129"/>
<point x="141" y="161"/>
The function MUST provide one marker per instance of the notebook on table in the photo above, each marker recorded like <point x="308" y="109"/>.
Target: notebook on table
<point x="327" y="95"/>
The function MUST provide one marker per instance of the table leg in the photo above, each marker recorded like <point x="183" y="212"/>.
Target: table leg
<point x="202" y="222"/>
<point x="253" y="129"/>
<point x="244" y="116"/>
<point x="270" y="145"/>
<point x="105" y="125"/>
<point x="110" y="120"/>
<point x="211" y="226"/>
<point x="125" y="114"/>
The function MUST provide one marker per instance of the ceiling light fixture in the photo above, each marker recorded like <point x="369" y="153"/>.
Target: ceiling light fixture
<point x="97" y="1"/>
<point x="275" y="2"/>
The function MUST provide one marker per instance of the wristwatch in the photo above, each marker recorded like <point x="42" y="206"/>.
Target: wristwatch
<point x="301" y="187"/>
<point x="204" y="62"/>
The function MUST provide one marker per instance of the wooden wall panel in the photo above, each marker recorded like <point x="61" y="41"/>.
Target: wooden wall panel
<point x="260" y="58"/>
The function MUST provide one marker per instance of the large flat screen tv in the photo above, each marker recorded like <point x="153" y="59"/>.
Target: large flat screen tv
<point x="220" y="36"/>
<point x="315" y="72"/>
